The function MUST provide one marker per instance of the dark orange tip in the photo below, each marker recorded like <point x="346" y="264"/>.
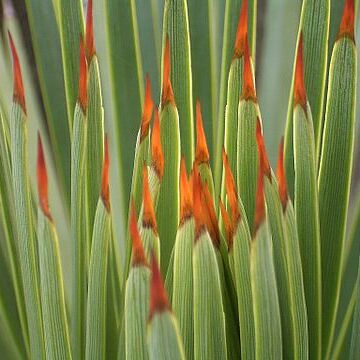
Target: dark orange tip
<point x="242" y="30"/>
<point x="156" y="147"/>
<point x="299" y="84"/>
<point x="148" y="219"/>
<point x="199" y="216"/>
<point x="19" y="93"/>
<point x="212" y="223"/>
<point x="202" y="152"/>
<point x="147" y="111"/>
<point x="186" y="201"/>
<point x="82" y="96"/>
<point x="167" y="95"/>
<point x="90" y="45"/>
<point x="105" y="193"/>
<point x="264" y="161"/>
<point x="248" y="90"/>
<point x="348" y="20"/>
<point x="231" y="191"/>
<point x="280" y="174"/>
<point x="138" y="254"/>
<point x="158" y="298"/>
<point x="229" y="231"/>
<point x="260" y="203"/>
<point x="42" y="180"/>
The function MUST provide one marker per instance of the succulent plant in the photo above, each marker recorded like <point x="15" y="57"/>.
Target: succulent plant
<point x="180" y="242"/>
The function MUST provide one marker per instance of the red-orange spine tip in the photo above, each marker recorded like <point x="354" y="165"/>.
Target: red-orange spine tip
<point x="202" y="152"/>
<point x="147" y="111"/>
<point x="280" y="174"/>
<point x="186" y="201"/>
<point x="264" y="161"/>
<point x="259" y="203"/>
<point x="105" y="192"/>
<point x="138" y="254"/>
<point x="90" y="45"/>
<point x="82" y="96"/>
<point x="42" y="180"/>
<point x="167" y="95"/>
<point x="156" y="147"/>
<point x="242" y="30"/>
<point x="19" y="93"/>
<point x="212" y="223"/>
<point x="348" y="20"/>
<point x="231" y="191"/>
<point x="158" y="298"/>
<point x="229" y="229"/>
<point x="248" y="90"/>
<point x="148" y="219"/>
<point x="199" y="216"/>
<point x="299" y="83"/>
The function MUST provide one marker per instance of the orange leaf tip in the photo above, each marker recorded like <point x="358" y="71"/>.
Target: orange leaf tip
<point x="42" y="180"/>
<point x="348" y="20"/>
<point x="299" y="84"/>
<point x="202" y="152"/>
<point x="90" y="45"/>
<point x="158" y="298"/>
<point x="148" y="220"/>
<point x="138" y="254"/>
<point x="259" y="203"/>
<point x="248" y="90"/>
<point x="229" y="229"/>
<point x="82" y="96"/>
<point x="186" y="201"/>
<point x="264" y="161"/>
<point x="242" y="30"/>
<point x="231" y="189"/>
<point x="208" y="206"/>
<point x="156" y="147"/>
<point x="19" y="93"/>
<point x="280" y="174"/>
<point x="147" y="111"/>
<point x="167" y="95"/>
<point x="199" y="214"/>
<point x="105" y="193"/>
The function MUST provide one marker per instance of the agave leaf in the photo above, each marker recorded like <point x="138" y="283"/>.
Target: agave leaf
<point x="209" y="320"/>
<point x="335" y="176"/>
<point x="71" y="28"/>
<point x="314" y="24"/>
<point x="176" y="27"/>
<point x="265" y="299"/>
<point x="182" y="298"/>
<point x="47" y="51"/>
<point x="126" y="96"/>
<point x="355" y="341"/>
<point x="96" y="300"/>
<point x="56" y="332"/>
<point x="78" y="231"/>
<point x="307" y="219"/>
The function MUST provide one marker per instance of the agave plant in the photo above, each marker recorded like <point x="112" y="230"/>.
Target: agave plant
<point x="173" y="254"/>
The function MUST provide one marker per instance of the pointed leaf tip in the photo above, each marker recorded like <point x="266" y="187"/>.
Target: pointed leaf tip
<point x="248" y="90"/>
<point x="82" y="96"/>
<point x="242" y="30"/>
<point x="19" y="92"/>
<point x="280" y="174"/>
<point x="231" y="191"/>
<point x="105" y="193"/>
<point x="186" y="201"/>
<point x="158" y="298"/>
<point x="299" y="85"/>
<point x="138" y="254"/>
<point x="202" y="152"/>
<point x="199" y="216"/>
<point x="156" y="147"/>
<point x="229" y="231"/>
<point x="147" y="111"/>
<point x="90" y="45"/>
<point x="348" y="20"/>
<point x="149" y="219"/>
<point x="264" y="161"/>
<point x="167" y="95"/>
<point x="42" y="180"/>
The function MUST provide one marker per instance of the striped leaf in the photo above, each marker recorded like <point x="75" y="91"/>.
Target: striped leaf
<point x="355" y="341"/>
